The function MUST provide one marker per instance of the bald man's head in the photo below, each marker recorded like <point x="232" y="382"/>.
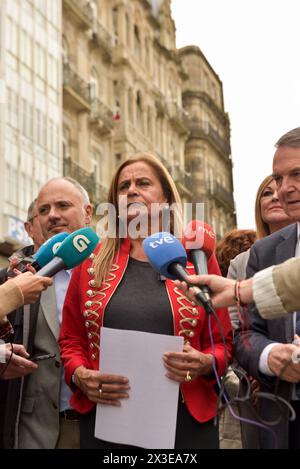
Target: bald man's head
<point x="63" y="205"/>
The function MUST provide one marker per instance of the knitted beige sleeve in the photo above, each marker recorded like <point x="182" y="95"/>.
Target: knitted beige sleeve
<point x="11" y="297"/>
<point x="286" y="278"/>
<point x="265" y="294"/>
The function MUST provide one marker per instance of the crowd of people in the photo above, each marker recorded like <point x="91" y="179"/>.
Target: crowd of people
<point x="51" y="403"/>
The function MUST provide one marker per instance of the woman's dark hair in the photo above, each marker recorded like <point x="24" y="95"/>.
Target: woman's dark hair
<point x="232" y="244"/>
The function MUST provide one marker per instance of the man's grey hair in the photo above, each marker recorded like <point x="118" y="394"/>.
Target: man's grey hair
<point x="79" y="187"/>
<point x="290" y="139"/>
<point x="30" y="211"/>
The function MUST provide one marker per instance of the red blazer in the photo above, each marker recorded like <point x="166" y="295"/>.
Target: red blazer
<point x="83" y="313"/>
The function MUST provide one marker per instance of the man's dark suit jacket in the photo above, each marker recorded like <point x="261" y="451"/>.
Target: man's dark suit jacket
<point x="11" y="389"/>
<point x="271" y="250"/>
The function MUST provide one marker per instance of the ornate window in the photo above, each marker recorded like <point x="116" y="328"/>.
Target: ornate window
<point x="94" y="84"/>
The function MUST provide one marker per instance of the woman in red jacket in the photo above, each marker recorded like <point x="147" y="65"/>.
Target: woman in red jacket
<point x="118" y="288"/>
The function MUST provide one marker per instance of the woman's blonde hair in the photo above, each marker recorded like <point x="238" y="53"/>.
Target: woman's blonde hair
<point x="110" y="246"/>
<point x="262" y="228"/>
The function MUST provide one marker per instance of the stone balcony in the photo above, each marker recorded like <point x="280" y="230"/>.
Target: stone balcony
<point x="101" y="117"/>
<point x="96" y="191"/>
<point x="76" y="90"/>
<point x="80" y="11"/>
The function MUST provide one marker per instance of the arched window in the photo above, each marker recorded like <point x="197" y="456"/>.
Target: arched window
<point x="139" y="111"/>
<point x="127" y="29"/>
<point x="115" y="25"/>
<point x="65" y="50"/>
<point x="149" y="124"/>
<point x="66" y="141"/>
<point x="94" y="84"/>
<point x="173" y="153"/>
<point x="137" y="42"/>
<point x="94" y="11"/>
<point x="96" y="164"/>
<point x="130" y="105"/>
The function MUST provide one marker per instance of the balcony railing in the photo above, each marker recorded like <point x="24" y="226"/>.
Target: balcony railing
<point x="205" y="129"/>
<point x="165" y="162"/>
<point x="218" y="139"/>
<point x="222" y="196"/>
<point x="77" y="90"/>
<point x="159" y="101"/>
<point x="96" y="191"/>
<point x="81" y="11"/>
<point x="102" y="38"/>
<point x="101" y="116"/>
<point x="181" y="178"/>
<point x="178" y="117"/>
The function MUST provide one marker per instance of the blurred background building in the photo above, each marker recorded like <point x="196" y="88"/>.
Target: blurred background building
<point x="31" y="113"/>
<point x="87" y="83"/>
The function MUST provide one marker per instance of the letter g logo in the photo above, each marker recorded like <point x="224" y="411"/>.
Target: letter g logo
<point x="55" y="247"/>
<point x="81" y="242"/>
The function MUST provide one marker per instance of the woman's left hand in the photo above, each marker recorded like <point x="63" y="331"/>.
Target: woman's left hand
<point x="187" y="365"/>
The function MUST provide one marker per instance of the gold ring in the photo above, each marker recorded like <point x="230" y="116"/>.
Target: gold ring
<point x="188" y="377"/>
<point x="100" y="392"/>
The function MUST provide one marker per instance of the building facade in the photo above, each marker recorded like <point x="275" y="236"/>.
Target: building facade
<point x="145" y="95"/>
<point x="124" y="53"/>
<point x="31" y="136"/>
<point x="207" y="147"/>
<point x="89" y="82"/>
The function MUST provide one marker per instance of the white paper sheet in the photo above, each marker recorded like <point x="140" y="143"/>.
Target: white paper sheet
<point x="148" y="417"/>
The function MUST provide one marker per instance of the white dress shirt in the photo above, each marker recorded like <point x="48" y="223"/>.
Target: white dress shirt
<point x="61" y="282"/>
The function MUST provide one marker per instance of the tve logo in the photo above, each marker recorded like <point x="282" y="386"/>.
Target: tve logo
<point x="81" y="242"/>
<point x="163" y="240"/>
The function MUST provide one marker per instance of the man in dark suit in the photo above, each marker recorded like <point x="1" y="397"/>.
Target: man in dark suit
<point x="265" y="350"/>
<point x="33" y="229"/>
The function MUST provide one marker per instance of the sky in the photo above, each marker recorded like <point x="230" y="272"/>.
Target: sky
<point x="254" y="47"/>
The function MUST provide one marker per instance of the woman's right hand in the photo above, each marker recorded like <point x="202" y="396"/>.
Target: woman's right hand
<point x="31" y="285"/>
<point x="222" y="289"/>
<point x="101" y="388"/>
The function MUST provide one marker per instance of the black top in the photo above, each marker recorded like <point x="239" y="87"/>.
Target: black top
<point x="149" y="311"/>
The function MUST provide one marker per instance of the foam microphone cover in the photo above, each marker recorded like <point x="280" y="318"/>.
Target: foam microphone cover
<point x="47" y="251"/>
<point x="199" y="235"/>
<point x="167" y="255"/>
<point x="77" y="247"/>
<point x="162" y="250"/>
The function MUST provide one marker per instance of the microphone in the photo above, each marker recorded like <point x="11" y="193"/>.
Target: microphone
<point x="48" y="250"/>
<point x="167" y="255"/>
<point x="199" y="241"/>
<point x="45" y="253"/>
<point x="72" y="251"/>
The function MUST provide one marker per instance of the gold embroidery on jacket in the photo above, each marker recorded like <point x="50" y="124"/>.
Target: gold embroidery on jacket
<point x="183" y="310"/>
<point x="92" y="315"/>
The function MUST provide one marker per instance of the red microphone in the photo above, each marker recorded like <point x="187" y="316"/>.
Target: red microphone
<point x="199" y="241"/>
